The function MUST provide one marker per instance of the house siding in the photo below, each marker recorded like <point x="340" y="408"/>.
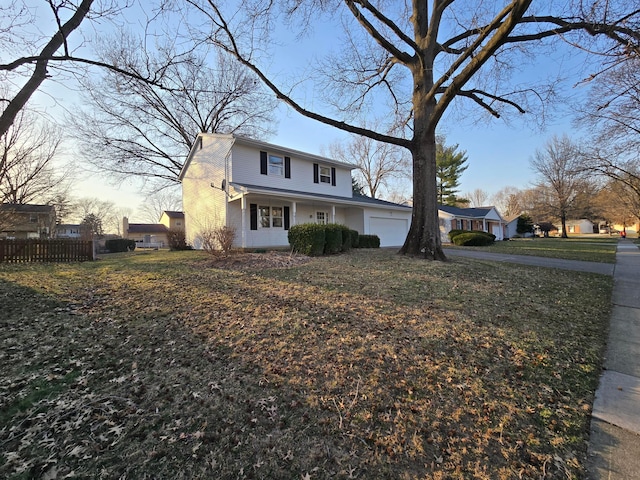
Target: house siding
<point x="204" y="205"/>
<point x="239" y="161"/>
<point x="246" y="170"/>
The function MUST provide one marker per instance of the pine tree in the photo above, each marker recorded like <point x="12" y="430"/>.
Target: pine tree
<point x="450" y="165"/>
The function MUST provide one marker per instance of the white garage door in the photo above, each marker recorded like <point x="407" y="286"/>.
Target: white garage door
<point x="392" y="231"/>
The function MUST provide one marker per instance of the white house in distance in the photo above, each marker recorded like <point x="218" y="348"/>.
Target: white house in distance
<point x="262" y="189"/>
<point x="486" y="219"/>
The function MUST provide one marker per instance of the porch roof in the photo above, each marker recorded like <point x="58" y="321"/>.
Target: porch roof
<point x="355" y="200"/>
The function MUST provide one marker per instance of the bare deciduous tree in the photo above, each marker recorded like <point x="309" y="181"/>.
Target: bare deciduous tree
<point x="134" y="129"/>
<point x="391" y="55"/>
<point x="27" y="153"/>
<point x="508" y="201"/>
<point x="477" y="198"/>
<point x="165" y="200"/>
<point x="100" y="209"/>
<point x="559" y="167"/>
<point x="49" y="53"/>
<point x="377" y="163"/>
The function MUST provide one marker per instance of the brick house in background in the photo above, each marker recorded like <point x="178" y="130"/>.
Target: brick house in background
<point x="27" y="221"/>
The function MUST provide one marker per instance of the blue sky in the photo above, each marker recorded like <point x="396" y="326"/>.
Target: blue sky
<point x="498" y="153"/>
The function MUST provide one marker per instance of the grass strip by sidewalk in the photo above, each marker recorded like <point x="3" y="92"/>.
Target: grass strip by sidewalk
<point x="601" y="250"/>
<point x="366" y="365"/>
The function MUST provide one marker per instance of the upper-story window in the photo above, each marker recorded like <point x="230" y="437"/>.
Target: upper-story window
<point x="276" y="165"/>
<point x="324" y="174"/>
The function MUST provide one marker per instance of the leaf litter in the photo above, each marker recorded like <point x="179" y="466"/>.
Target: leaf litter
<point x="366" y="365"/>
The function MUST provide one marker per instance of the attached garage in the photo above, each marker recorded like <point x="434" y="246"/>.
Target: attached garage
<point x="392" y="231"/>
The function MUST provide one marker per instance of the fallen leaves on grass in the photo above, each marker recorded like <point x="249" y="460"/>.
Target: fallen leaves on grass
<point x="365" y="365"/>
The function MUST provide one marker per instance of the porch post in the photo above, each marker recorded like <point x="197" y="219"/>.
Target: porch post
<point x="243" y="216"/>
<point x="333" y="214"/>
<point x="294" y="209"/>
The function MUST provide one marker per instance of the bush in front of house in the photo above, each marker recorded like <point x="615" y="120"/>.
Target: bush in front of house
<point x="313" y="239"/>
<point x="473" y="239"/>
<point x="307" y="238"/>
<point x="454" y="233"/>
<point x="355" y="238"/>
<point x="332" y="238"/>
<point x="116" y="245"/>
<point x="368" y="241"/>
<point x="177" y="240"/>
<point x="346" y="238"/>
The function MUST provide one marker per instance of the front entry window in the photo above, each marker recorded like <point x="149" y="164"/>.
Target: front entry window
<point x="276" y="217"/>
<point x="321" y="218"/>
<point x="265" y="217"/>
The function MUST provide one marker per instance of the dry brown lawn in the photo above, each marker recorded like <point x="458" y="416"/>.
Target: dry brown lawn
<point x="364" y="365"/>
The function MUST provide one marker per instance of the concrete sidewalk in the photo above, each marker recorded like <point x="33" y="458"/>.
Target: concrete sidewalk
<point x="614" y="446"/>
<point x="576" y="265"/>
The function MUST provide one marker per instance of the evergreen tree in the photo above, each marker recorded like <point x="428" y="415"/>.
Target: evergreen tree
<point x="525" y="224"/>
<point x="450" y="164"/>
<point x="91" y="225"/>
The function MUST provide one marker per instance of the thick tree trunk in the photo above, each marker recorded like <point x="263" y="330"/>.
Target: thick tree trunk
<point x="563" y="221"/>
<point x="423" y="238"/>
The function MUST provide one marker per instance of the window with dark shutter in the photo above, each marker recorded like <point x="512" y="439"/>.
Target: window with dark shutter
<point x="333" y="176"/>
<point x="286" y="218"/>
<point x="253" y="211"/>
<point x="287" y="167"/>
<point x="263" y="163"/>
<point x="316" y="173"/>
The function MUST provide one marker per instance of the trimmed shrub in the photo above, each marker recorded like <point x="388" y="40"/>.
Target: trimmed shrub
<point x="307" y="238"/>
<point x="355" y="238"/>
<point x="346" y="238"/>
<point x="473" y="239"/>
<point x="368" y="241"/>
<point x="332" y="238"/>
<point x="116" y="245"/>
<point x="454" y="233"/>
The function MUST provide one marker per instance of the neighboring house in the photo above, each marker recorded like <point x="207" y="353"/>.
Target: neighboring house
<point x="511" y="227"/>
<point x="146" y="235"/>
<point x="261" y="190"/>
<point x="580" y="226"/>
<point x="486" y="219"/>
<point x="67" y="230"/>
<point x="172" y="220"/>
<point x="27" y="221"/>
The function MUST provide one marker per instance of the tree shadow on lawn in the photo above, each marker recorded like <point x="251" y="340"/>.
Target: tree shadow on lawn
<point x="276" y="374"/>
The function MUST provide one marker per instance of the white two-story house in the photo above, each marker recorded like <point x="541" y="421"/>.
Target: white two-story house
<point x="262" y="190"/>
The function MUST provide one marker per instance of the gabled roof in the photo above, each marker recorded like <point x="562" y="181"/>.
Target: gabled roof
<point x="27" y="208"/>
<point x="171" y="214"/>
<point x="480" y="212"/>
<point x="359" y="200"/>
<point x="147" y="228"/>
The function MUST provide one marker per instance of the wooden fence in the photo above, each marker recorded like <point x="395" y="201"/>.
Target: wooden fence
<point x="42" y="250"/>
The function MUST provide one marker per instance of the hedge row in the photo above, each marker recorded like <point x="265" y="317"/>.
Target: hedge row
<point x="116" y="245"/>
<point x="475" y="238"/>
<point x="313" y="239"/>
